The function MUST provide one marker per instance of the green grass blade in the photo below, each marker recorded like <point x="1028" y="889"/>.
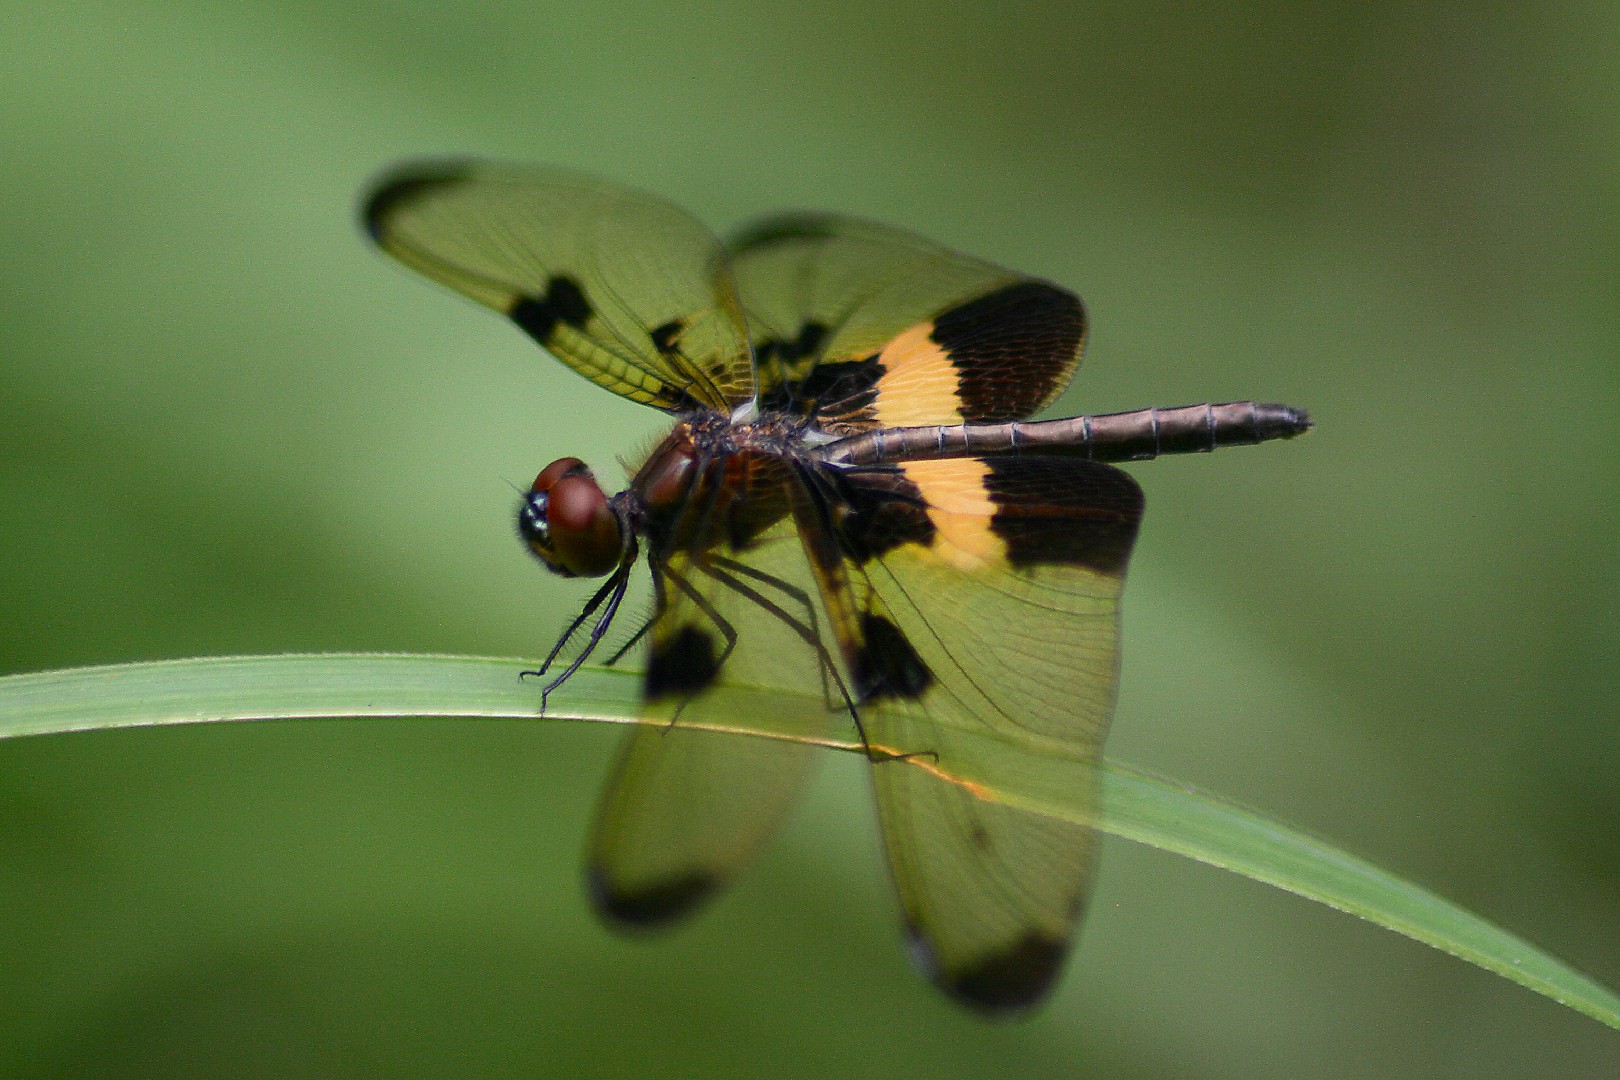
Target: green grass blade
<point x="1136" y="806"/>
<point x="1169" y="815"/>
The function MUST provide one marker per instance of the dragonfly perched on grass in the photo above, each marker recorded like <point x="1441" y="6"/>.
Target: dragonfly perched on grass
<point x="852" y="501"/>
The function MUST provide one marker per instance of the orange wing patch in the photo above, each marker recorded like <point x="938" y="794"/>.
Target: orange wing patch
<point x="920" y="384"/>
<point x="959" y="506"/>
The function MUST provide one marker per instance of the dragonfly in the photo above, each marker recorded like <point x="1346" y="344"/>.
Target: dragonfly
<point x="852" y="503"/>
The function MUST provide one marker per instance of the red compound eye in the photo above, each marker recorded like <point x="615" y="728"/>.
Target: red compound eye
<point x="558" y="469"/>
<point x="569" y="522"/>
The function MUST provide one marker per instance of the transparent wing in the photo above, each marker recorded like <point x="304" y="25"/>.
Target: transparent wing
<point x="983" y="595"/>
<point x="685" y="808"/>
<point x="864" y="325"/>
<point x="618" y="285"/>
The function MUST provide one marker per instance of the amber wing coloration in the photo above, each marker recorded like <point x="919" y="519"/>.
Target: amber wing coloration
<point x="933" y="597"/>
<point x="865" y="325"/>
<point x="617" y="284"/>
<point x="685" y="809"/>
<point x="1007" y="589"/>
<point x="965" y="594"/>
<point x="682" y="812"/>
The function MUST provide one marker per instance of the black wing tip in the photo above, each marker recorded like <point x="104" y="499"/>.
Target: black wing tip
<point x="650" y="907"/>
<point x="1004" y="984"/>
<point x="404" y="181"/>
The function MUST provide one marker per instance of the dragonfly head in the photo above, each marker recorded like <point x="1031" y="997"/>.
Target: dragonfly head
<point x="570" y="523"/>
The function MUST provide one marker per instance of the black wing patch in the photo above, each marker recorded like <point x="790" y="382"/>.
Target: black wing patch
<point x="615" y="283"/>
<point x="686" y="808"/>
<point x="564" y="302"/>
<point x="1009" y="348"/>
<point x="885" y="665"/>
<point x="862" y="325"/>
<point x="1066" y="516"/>
<point x="681" y="664"/>
<point x="980" y="596"/>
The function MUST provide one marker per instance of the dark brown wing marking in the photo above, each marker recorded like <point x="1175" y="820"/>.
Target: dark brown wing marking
<point x="884" y="664"/>
<point x="564" y="302"/>
<point x="685" y="809"/>
<point x="615" y="283"/>
<point x="1045" y="516"/>
<point x="1001" y="578"/>
<point x="860" y="324"/>
<point x="1010" y="347"/>
<point x="877" y="510"/>
<point x="681" y="663"/>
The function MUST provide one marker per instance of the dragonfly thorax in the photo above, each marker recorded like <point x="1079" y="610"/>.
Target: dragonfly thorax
<point x="714" y="479"/>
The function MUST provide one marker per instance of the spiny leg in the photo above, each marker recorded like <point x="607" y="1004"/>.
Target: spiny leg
<point x="823" y="488"/>
<point x="727" y="631"/>
<point x="573" y="627"/>
<point x="728" y="573"/>
<point x="721" y="570"/>
<point x="635" y="638"/>
<point x="613" y="591"/>
<point x="812" y="635"/>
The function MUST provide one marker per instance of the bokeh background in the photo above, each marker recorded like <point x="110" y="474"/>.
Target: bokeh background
<point x="227" y="426"/>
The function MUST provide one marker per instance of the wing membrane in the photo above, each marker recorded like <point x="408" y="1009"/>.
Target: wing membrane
<point x="615" y="283"/>
<point x="685" y="809"/>
<point x="863" y="324"/>
<point x="984" y="596"/>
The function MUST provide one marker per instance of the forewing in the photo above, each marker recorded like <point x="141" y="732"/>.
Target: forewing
<point x="618" y="285"/>
<point x="686" y="808"/>
<point x="985" y="598"/>
<point x="864" y="325"/>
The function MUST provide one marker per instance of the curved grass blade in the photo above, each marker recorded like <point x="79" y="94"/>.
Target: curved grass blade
<point x="1136" y="806"/>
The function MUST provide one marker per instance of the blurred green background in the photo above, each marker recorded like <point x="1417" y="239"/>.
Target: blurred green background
<point x="227" y="426"/>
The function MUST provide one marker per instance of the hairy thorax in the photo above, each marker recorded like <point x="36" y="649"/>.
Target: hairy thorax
<point x="718" y="481"/>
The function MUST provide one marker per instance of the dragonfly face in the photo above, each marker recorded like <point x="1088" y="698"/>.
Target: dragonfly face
<point x="852" y="503"/>
<point x="569" y="523"/>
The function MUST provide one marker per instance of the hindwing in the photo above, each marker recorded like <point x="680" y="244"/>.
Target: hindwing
<point x="981" y="595"/>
